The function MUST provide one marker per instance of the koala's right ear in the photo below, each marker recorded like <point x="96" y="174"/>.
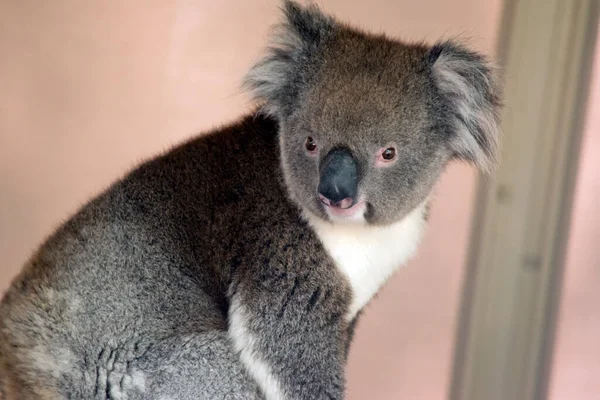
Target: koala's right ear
<point x="468" y="86"/>
<point x="297" y="44"/>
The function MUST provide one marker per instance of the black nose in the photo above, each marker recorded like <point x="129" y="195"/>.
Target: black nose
<point x="338" y="184"/>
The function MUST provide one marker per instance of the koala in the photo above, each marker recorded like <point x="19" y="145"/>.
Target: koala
<point x="236" y="264"/>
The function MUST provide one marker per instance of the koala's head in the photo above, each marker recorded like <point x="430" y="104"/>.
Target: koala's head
<point x="367" y="123"/>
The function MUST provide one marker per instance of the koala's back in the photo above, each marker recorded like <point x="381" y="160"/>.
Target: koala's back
<point x="127" y="299"/>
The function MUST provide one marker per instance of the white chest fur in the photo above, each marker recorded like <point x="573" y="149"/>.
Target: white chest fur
<point x="367" y="255"/>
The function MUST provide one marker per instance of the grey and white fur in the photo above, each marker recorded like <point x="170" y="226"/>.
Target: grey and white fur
<point x="235" y="265"/>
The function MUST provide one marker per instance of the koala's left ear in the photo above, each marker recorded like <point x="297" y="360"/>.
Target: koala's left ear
<point x="468" y="86"/>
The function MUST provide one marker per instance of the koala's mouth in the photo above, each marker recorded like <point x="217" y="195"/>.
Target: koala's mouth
<point x="354" y="212"/>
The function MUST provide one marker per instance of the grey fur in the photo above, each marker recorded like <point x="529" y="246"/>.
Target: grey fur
<point x="136" y="295"/>
<point x="466" y="82"/>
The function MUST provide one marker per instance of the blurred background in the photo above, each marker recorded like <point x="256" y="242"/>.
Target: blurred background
<point x="89" y="89"/>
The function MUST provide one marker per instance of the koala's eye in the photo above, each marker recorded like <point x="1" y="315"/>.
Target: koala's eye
<point x="386" y="156"/>
<point x="389" y="154"/>
<point x="310" y="144"/>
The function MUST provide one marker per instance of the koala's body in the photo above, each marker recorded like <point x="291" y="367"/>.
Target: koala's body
<point x="235" y="265"/>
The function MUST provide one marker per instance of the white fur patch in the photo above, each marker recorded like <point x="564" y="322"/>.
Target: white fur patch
<point x="122" y="384"/>
<point x="139" y="381"/>
<point x="244" y="343"/>
<point x="56" y="362"/>
<point x="369" y="255"/>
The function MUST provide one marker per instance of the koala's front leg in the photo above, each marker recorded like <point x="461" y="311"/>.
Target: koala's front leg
<point x="290" y="333"/>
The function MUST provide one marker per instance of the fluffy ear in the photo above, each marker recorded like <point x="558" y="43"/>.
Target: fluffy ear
<point x="294" y="53"/>
<point x="466" y="82"/>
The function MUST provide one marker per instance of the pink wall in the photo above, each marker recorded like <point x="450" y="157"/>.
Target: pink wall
<point x="576" y="367"/>
<point x="90" y="88"/>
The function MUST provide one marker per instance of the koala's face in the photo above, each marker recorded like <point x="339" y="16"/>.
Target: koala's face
<point x="368" y="123"/>
<point x="363" y="144"/>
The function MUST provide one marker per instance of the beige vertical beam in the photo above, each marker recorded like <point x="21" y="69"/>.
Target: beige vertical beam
<point x="505" y="336"/>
